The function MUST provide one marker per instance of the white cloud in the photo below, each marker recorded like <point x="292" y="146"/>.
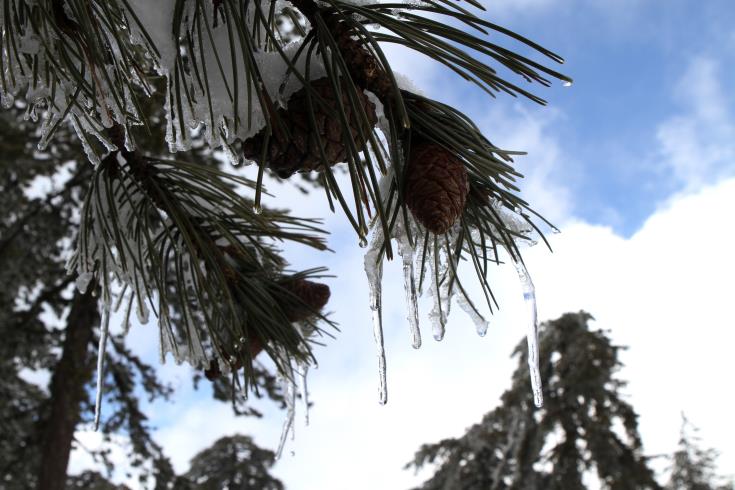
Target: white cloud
<point x="664" y="292"/>
<point x="697" y="144"/>
<point x="547" y="170"/>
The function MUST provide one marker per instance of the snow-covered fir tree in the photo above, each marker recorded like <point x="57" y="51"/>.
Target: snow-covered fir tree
<point x="692" y="467"/>
<point x="585" y="430"/>
<point x="231" y="462"/>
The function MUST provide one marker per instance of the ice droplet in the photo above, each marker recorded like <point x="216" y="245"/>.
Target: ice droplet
<point x="438" y="332"/>
<point x="257" y="209"/>
<point x="567" y="83"/>
<point x="529" y="297"/>
<point x="363" y="242"/>
<point x="555" y="230"/>
<point x="83" y="281"/>
<point x="104" y="328"/>
<point x="481" y="325"/>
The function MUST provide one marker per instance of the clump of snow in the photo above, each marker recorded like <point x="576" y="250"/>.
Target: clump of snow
<point x="406" y="83"/>
<point x="223" y="105"/>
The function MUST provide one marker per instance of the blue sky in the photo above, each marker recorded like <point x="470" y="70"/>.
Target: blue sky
<point x="628" y="59"/>
<point x="635" y="163"/>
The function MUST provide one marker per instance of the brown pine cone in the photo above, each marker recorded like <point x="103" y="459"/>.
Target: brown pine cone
<point x="212" y="372"/>
<point x="300" y="153"/>
<point x="364" y="68"/>
<point x="436" y="186"/>
<point x="312" y="296"/>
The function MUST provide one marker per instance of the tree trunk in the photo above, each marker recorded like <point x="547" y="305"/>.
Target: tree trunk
<point x="67" y="392"/>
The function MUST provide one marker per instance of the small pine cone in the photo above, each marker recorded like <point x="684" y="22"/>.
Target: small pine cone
<point x="312" y="296"/>
<point x="364" y="68"/>
<point x="301" y="152"/>
<point x="436" y="186"/>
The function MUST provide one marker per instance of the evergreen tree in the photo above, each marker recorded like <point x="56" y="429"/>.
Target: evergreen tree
<point x="585" y="424"/>
<point x="48" y="326"/>
<point x="233" y="462"/>
<point x="91" y="480"/>
<point x="693" y="468"/>
<point x="230" y="463"/>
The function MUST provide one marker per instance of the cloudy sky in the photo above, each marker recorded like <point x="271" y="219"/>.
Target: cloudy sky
<point x="635" y="164"/>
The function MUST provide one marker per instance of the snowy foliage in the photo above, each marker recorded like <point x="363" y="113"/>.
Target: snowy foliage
<point x="154" y="231"/>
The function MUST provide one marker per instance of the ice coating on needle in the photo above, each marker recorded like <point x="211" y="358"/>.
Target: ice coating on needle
<point x="295" y="375"/>
<point x="439" y="290"/>
<point x="481" y="324"/>
<point x="305" y="393"/>
<point x="529" y="298"/>
<point x="101" y="365"/>
<point x="222" y="109"/>
<point x="289" y="394"/>
<point x="405" y="249"/>
<point x="287" y="428"/>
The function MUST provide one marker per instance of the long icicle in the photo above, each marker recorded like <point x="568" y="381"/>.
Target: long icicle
<point x="101" y="364"/>
<point x="529" y="297"/>
<point x="288" y="385"/>
<point x="438" y="313"/>
<point x="409" y="284"/>
<point x="305" y="392"/>
<point x="374" y="271"/>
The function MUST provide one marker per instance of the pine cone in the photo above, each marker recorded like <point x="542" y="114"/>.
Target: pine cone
<point x="436" y="186"/>
<point x="312" y="296"/>
<point x="300" y="153"/>
<point x="212" y="372"/>
<point x="364" y="68"/>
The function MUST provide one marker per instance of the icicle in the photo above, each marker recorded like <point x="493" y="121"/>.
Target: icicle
<point x="529" y="297"/>
<point x="480" y="323"/>
<point x="374" y="271"/>
<point x="438" y="314"/>
<point x="287" y="425"/>
<point x="409" y="285"/>
<point x="83" y="281"/>
<point x="101" y="364"/>
<point x="289" y="392"/>
<point x="305" y="393"/>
